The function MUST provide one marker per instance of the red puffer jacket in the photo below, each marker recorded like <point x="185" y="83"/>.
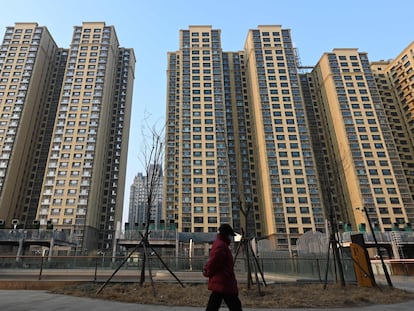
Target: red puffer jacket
<point x="219" y="268"/>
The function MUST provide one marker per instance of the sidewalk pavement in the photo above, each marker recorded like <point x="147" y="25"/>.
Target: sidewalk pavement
<point x="28" y="300"/>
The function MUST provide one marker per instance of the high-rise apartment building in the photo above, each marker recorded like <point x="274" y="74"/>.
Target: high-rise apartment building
<point x="299" y="150"/>
<point x="139" y="196"/>
<point x="238" y="146"/>
<point x="362" y="162"/>
<point x="70" y="171"/>
<point x="394" y="81"/>
<point x="201" y="186"/>
<point x="287" y="177"/>
<point x="197" y="186"/>
<point x="31" y="72"/>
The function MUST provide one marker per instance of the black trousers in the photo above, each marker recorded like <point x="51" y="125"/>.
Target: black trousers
<point x="232" y="302"/>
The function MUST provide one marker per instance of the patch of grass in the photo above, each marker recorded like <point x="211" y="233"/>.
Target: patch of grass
<point x="278" y="295"/>
<point x="291" y="295"/>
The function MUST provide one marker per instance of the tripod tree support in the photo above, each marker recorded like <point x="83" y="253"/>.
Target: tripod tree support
<point x="163" y="262"/>
<point x="384" y="267"/>
<point x="145" y="244"/>
<point x="333" y="244"/>
<point x="152" y="159"/>
<point x="116" y="270"/>
<point x="245" y="243"/>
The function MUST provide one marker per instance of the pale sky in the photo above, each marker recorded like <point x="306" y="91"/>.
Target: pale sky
<point x="151" y="27"/>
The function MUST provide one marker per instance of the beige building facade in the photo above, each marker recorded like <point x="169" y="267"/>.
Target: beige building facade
<point x="196" y="179"/>
<point x="394" y="79"/>
<point x="300" y="148"/>
<point x="84" y="145"/>
<point x="289" y="193"/>
<point x="30" y="70"/>
<point x="238" y="146"/>
<point x="365" y="169"/>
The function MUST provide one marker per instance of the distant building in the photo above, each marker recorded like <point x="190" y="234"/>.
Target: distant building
<point x="138" y="200"/>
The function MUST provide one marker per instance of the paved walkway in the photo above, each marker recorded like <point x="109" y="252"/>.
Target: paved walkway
<point x="27" y="300"/>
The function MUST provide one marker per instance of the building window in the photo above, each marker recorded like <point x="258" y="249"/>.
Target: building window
<point x="292" y="220"/>
<point x="198" y="199"/>
<point x="306" y="220"/>
<point x="198" y="220"/>
<point x="212" y="220"/>
<point x="303" y="200"/>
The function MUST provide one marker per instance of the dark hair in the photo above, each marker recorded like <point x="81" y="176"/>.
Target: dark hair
<point x="226" y="229"/>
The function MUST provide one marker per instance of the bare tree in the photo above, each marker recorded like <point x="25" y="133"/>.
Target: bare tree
<point x="153" y="155"/>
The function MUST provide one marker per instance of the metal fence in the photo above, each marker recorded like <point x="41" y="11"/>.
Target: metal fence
<point x="381" y="237"/>
<point x="32" y="234"/>
<point x="315" y="269"/>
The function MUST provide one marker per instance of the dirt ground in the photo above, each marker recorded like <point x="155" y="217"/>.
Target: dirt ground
<point x="286" y="295"/>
